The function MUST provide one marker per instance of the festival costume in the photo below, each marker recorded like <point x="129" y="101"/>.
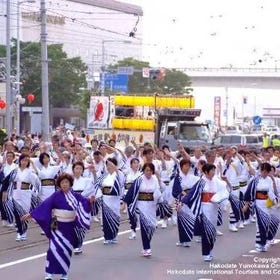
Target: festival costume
<point x="22" y="187"/>
<point x="142" y="198"/>
<point x="203" y="200"/>
<point x="47" y="177"/>
<point x="63" y="217"/>
<point x="259" y="191"/>
<point x="181" y="185"/>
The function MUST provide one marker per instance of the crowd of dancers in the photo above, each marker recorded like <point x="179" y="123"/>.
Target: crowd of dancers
<point x="66" y="184"/>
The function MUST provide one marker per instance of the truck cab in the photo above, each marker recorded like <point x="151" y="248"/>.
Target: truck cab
<point x="179" y="126"/>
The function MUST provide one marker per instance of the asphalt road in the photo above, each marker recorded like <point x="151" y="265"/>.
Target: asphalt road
<point x="234" y="257"/>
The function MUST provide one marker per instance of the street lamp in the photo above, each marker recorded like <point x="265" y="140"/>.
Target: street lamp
<point x="18" y="83"/>
<point x="103" y="60"/>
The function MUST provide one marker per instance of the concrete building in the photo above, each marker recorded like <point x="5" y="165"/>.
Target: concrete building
<point x="81" y="26"/>
<point x="101" y="32"/>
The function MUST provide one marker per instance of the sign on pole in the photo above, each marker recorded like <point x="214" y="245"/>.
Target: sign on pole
<point x="146" y="72"/>
<point x="257" y="120"/>
<point x="116" y="82"/>
<point x="217" y="110"/>
<point x="126" y="70"/>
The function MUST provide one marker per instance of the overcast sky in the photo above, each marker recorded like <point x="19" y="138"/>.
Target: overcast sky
<point x="181" y="33"/>
<point x="216" y="33"/>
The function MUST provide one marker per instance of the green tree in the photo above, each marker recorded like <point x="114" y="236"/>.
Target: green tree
<point x="66" y="75"/>
<point x="173" y="82"/>
<point x="136" y="83"/>
<point x="83" y="101"/>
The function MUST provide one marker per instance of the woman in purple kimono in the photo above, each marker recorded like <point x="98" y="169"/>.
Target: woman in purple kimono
<point x="64" y="217"/>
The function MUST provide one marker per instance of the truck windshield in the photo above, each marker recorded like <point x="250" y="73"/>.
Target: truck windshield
<point x="193" y="132"/>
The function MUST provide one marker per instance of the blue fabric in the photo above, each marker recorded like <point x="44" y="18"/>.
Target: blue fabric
<point x="208" y="236"/>
<point x="236" y="208"/>
<point x="67" y="235"/>
<point x="177" y="188"/>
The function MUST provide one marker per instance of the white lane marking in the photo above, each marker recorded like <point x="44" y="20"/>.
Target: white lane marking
<point x="248" y="256"/>
<point x="4" y="265"/>
<point x="22" y="260"/>
<point x="254" y="251"/>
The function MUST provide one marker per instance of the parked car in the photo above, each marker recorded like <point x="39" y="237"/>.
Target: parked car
<point x="240" y="140"/>
<point x="232" y="130"/>
<point x="271" y="129"/>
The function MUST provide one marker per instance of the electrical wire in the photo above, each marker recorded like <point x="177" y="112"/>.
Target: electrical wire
<point x="82" y="23"/>
<point x="70" y="20"/>
<point x="78" y="11"/>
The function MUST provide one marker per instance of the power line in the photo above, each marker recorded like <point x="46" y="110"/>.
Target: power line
<point x="91" y="25"/>
<point x="77" y="11"/>
<point x="81" y="23"/>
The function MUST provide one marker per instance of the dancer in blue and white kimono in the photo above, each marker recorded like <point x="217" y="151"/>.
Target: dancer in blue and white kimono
<point x="203" y="200"/>
<point x="47" y="174"/>
<point x="244" y="177"/>
<point x="62" y="216"/>
<point x="143" y="197"/>
<point x="19" y="188"/>
<point x="168" y="162"/>
<point x="7" y="168"/>
<point x="260" y="190"/>
<point x="275" y="209"/>
<point x="181" y="185"/>
<point x="231" y="171"/>
<point x="112" y="186"/>
<point x="132" y="174"/>
<point x="81" y="184"/>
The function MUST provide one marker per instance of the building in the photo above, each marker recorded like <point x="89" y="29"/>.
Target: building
<point x="81" y="26"/>
<point x="101" y="32"/>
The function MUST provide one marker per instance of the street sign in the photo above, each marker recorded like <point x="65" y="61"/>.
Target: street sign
<point x="146" y="72"/>
<point x="126" y="70"/>
<point x="69" y="126"/>
<point x="32" y="109"/>
<point x="257" y="119"/>
<point x="116" y="82"/>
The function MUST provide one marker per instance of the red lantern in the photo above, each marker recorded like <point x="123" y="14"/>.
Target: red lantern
<point x="30" y="97"/>
<point x="2" y="104"/>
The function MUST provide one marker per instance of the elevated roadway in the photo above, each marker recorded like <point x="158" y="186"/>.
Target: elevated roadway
<point x="259" y="78"/>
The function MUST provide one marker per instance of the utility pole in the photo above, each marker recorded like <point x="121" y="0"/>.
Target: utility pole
<point x="227" y="106"/>
<point x="18" y="70"/>
<point x="8" y="70"/>
<point x="45" y="78"/>
<point x="103" y="68"/>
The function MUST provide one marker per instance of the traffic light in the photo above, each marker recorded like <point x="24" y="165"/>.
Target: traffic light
<point x="154" y="73"/>
<point x="157" y="74"/>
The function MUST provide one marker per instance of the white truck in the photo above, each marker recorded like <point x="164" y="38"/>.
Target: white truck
<point x="175" y="126"/>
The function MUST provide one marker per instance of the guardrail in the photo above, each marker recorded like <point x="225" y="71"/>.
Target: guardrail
<point x="230" y="69"/>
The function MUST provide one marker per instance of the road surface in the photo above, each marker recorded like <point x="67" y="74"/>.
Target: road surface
<point x="234" y="257"/>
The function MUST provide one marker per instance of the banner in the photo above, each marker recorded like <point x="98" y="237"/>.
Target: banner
<point x="146" y="72"/>
<point x="112" y="110"/>
<point x="217" y="110"/>
<point x="123" y="137"/>
<point x="98" y="113"/>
